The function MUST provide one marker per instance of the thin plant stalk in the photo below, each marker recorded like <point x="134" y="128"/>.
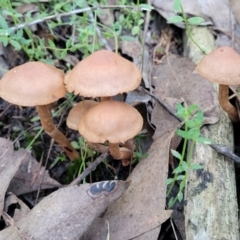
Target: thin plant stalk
<point x="180" y="163"/>
<point x="184" y="181"/>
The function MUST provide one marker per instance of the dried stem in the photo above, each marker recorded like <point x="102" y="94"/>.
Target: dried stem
<point x="225" y="104"/>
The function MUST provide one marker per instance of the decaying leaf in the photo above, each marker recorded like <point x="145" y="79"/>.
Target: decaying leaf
<point x="30" y="176"/>
<point x="66" y="213"/>
<point x="142" y="61"/>
<point x="9" y="163"/>
<point x="140" y="212"/>
<point x="20" y="210"/>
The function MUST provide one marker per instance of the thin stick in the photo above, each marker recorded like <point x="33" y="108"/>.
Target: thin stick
<point x="224" y="150"/>
<point x="58" y="15"/>
<point x="90" y="168"/>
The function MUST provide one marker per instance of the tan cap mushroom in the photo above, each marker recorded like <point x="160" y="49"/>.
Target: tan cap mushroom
<point x="222" y="66"/>
<point x="37" y="84"/>
<point x="103" y="74"/>
<point x="77" y="111"/>
<point x="31" y="84"/>
<point x="110" y="121"/>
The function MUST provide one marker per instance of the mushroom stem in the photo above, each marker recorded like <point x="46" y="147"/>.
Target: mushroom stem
<point x="225" y="104"/>
<point x="115" y="150"/>
<point x="49" y="127"/>
<point x="120" y="153"/>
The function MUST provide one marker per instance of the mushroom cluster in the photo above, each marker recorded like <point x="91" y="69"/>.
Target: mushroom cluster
<point x="105" y="74"/>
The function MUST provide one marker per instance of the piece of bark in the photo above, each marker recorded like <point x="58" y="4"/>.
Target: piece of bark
<point x="211" y="210"/>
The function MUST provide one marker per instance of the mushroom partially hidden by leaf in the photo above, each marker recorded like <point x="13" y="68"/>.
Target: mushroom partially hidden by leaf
<point x="103" y="74"/>
<point x="37" y="84"/>
<point x="111" y="121"/>
<point x="222" y="66"/>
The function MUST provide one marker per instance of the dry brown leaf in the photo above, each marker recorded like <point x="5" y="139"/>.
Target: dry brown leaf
<point x="175" y="78"/>
<point x="135" y="50"/>
<point x="68" y="212"/>
<point x="216" y="12"/>
<point x="30" y="177"/>
<point x="141" y="209"/>
<point x="20" y="211"/>
<point x="9" y="163"/>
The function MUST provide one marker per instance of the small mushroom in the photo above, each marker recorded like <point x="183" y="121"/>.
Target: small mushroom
<point x="103" y="74"/>
<point x="37" y="84"/>
<point x="74" y="117"/>
<point x="111" y="121"/>
<point x="222" y="66"/>
<point x="77" y="111"/>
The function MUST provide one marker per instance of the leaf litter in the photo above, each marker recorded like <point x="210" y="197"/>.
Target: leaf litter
<point x="67" y="212"/>
<point x="131" y="216"/>
<point x="139" y="213"/>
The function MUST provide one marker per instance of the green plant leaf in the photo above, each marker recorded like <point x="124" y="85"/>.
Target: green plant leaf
<point x="51" y="43"/>
<point x="182" y="185"/>
<point x="4" y="40"/>
<point x="180" y="196"/>
<point x="195" y="20"/>
<point x="180" y="177"/>
<point x="141" y="21"/>
<point x="178" y="169"/>
<point x="4" y="32"/>
<point x="170" y="203"/>
<point x="15" y="44"/>
<point x="184" y="166"/>
<point x="191" y="109"/>
<point x="175" y="19"/>
<point x="183" y="134"/>
<point x="176" y="154"/>
<point x="135" y="30"/>
<point x="63" y="53"/>
<point x="3" y="22"/>
<point x="182" y="112"/>
<point x="177" y="6"/>
<point x="169" y="181"/>
<point x="193" y="133"/>
<point x="75" y="145"/>
<point x="196" y="166"/>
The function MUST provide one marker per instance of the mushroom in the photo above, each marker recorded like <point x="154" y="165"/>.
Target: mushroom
<point x="37" y="84"/>
<point x="103" y="74"/>
<point x="111" y="121"/>
<point x="74" y="117"/>
<point x="77" y="111"/>
<point x="222" y="66"/>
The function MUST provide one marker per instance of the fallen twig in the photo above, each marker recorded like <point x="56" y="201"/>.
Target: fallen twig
<point x="76" y="11"/>
<point x="90" y="168"/>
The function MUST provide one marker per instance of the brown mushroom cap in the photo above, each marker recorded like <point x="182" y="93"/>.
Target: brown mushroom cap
<point x="77" y="111"/>
<point x="31" y="84"/>
<point x="110" y="121"/>
<point x="103" y="73"/>
<point x="221" y="66"/>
